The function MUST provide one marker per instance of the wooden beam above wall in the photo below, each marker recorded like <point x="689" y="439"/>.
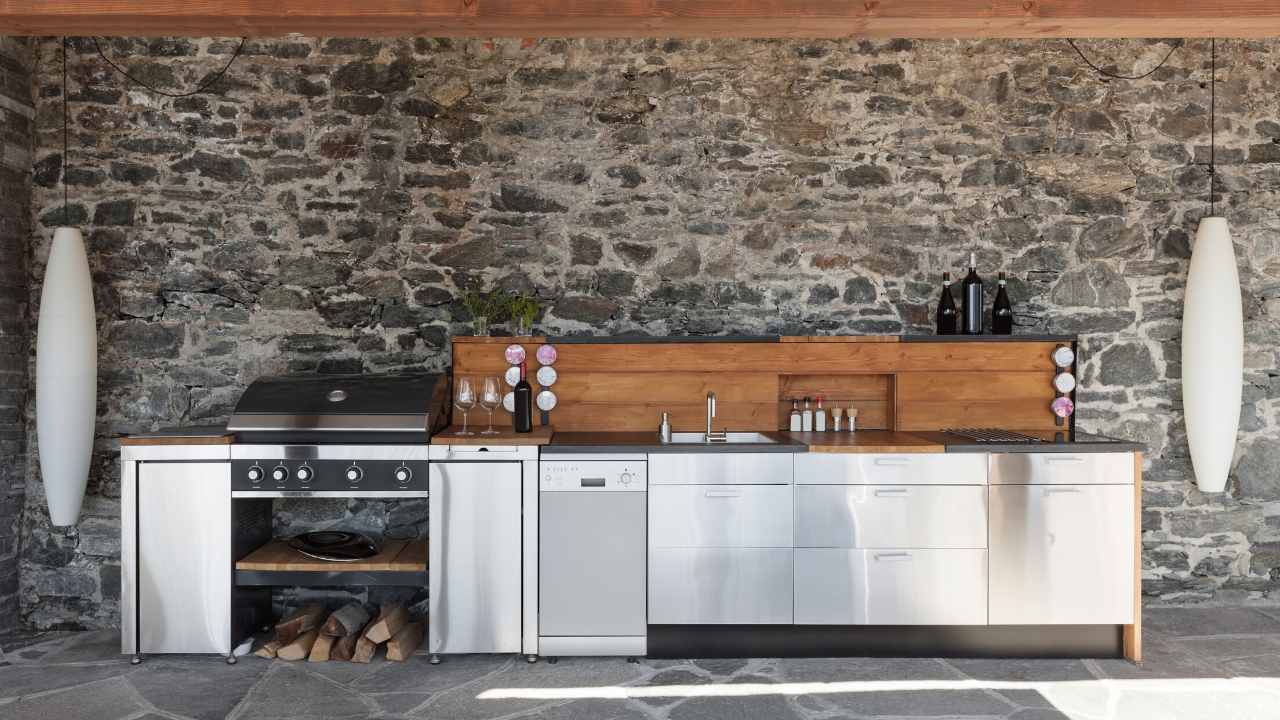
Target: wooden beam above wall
<point x="647" y="18"/>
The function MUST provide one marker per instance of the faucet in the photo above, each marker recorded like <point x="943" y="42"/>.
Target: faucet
<point x="711" y="413"/>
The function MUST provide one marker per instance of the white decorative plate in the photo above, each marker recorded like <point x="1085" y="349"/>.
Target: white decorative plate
<point x="1064" y="382"/>
<point x="546" y="401"/>
<point x="1063" y="357"/>
<point x="512" y="375"/>
<point x="509" y="402"/>
<point x="547" y="376"/>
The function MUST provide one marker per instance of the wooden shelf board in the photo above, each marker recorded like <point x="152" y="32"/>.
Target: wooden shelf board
<point x="394" y="556"/>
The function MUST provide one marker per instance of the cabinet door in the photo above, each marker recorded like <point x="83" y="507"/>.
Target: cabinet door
<point x="184" y="557"/>
<point x="720" y="468"/>
<point x="720" y="516"/>
<point x="883" y="469"/>
<point x="890" y="587"/>
<point x="734" y="586"/>
<point x="891" y="516"/>
<point x="1062" y="554"/>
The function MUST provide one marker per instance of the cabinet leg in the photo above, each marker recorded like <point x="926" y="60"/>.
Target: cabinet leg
<point x="136" y="659"/>
<point x="435" y="659"/>
<point x="552" y="660"/>
<point x="231" y="660"/>
<point x="531" y="659"/>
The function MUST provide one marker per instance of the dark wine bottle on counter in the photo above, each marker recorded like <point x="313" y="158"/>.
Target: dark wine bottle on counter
<point x="971" y="300"/>
<point x="522" y="419"/>
<point x="946" y="308"/>
<point x="1002" y="311"/>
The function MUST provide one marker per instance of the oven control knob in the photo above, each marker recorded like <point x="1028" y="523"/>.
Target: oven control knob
<point x="354" y="474"/>
<point x="403" y="475"/>
<point x="279" y="473"/>
<point x="255" y="474"/>
<point x="305" y="474"/>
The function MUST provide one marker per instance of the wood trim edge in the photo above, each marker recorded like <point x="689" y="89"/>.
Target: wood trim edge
<point x="1133" y="633"/>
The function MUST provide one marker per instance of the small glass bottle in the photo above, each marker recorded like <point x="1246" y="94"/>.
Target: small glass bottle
<point x="794" y="423"/>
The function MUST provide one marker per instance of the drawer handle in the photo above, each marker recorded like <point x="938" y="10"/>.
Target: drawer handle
<point x="893" y="557"/>
<point x="723" y="493"/>
<point x="891" y="492"/>
<point x="893" y="462"/>
<point x="1060" y="490"/>
<point x="1064" y="459"/>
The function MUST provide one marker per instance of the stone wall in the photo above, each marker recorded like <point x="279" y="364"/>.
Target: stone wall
<point x="17" y="138"/>
<point x="324" y="208"/>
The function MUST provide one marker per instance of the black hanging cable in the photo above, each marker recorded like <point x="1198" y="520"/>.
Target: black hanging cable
<point x="199" y="88"/>
<point x="66" y="211"/>
<point x="1213" y="113"/>
<point x="1117" y="76"/>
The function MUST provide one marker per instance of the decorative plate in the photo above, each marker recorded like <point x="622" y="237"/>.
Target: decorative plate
<point x="1063" y="356"/>
<point x="1064" y="382"/>
<point x="515" y="354"/>
<point x="547" y="354"/>
<point x="546" y="401"/>
<point x="1063" y="407"/>
<point x="509" y="402"/>
<point x="547" y="376"/>
<point x="512" y="376"/>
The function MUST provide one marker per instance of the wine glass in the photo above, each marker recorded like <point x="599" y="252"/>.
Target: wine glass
<point x="465" y="400"/>
<point x="490" y="399"/>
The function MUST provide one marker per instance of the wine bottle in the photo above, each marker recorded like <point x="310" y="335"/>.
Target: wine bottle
<point x="971" y="300"/>
<point x="946" y="308"/>
<point x="522" y="419"/>
<point x="1002" y="311"/>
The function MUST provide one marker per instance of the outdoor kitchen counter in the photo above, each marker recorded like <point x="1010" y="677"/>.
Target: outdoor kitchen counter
<point x="1083" y="443"/>
<point x="194" y="435"/>
<point x="647" y="442"/>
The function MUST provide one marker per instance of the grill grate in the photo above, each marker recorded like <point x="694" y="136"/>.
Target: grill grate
<point x="992" y="435"/>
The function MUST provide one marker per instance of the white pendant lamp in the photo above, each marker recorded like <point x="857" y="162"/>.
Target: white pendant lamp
<point x="1212" y="340"/>
<point x="66" y="363"/>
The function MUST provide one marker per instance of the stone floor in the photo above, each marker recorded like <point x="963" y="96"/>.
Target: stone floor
<point x="1201" y="663"/>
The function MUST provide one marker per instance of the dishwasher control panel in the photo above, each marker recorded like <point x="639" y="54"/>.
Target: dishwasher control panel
<point x="596" y="475"/>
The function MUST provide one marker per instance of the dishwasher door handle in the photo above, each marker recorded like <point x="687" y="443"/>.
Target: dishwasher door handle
<point x="723" y="493"/>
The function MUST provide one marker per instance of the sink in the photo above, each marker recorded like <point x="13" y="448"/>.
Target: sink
<point x="738" y="438"/>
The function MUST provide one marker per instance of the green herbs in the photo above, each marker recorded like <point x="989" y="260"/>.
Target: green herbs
<point x="524" y="310"/>
<point x="498" y="306"/>
<point x="492" y="305"/>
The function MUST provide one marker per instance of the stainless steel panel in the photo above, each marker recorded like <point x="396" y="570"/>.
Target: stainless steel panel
<point x="720" y="516"/>
<point x="529" y="555"/>
<point x="247" y="422"/>
<point x="129" y="554"/>
<point x="720" y="586"/>
<point x="891" y="516"/>
<point x="482" y="453"/>
<point x="633" y="646"/>
<point x="329" y="493"/>
<point x="138" y="453"/>
<point x="1062" y="554"/>
<point x="561" y="475"/>
<point x="329" y="452"/>
<point x="885" y="469"/>
<point x="720" y="468"/>
<point x="592" y="564"/>
<point x="474" y="564"/>
<point x="890" y="587"/>
<point x="184" y="557"/>
<point x="1062" y="469"/>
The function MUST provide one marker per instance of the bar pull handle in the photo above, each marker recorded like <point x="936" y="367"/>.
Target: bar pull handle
<point x="892" y="461"/>
<point x="723" y="493"/>
<point x="891" y="492"/>
<point x="893" y="557"/>
<point x="1064" y="459"/>
<point x="1060" y="490"/>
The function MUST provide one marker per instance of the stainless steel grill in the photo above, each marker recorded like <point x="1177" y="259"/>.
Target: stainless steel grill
<point x="993" y="435"/>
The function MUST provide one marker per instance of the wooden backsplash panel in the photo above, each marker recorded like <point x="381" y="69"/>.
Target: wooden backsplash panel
<point x="894" y="385"/>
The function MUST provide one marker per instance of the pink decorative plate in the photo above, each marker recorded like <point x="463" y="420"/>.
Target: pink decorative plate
<point x="547" y="354"/>
<point x="515" y="354"/>
<point x="1063" y="407"/>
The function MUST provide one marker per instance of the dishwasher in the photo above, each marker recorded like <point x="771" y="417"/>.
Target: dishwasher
<point x="592" y="555"/>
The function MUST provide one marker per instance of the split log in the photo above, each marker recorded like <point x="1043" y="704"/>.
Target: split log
<point x="302" y="620"/>
<point x="348" y="619"/>
<point x="389" y="622"/>
<point x="321" y="649"/>
<point x="268" y="649"/>
<point x="402" y="646"/>
<point x="300" y="647"/>
<point x="345" y="647"/>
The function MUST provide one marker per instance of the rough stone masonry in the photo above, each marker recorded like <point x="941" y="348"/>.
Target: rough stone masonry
<point x="325" y="206"/>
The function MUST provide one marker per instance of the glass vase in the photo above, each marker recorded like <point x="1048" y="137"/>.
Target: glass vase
<point x="480" y="325"/>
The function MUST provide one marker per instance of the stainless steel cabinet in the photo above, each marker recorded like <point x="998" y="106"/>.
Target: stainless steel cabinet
<point x="882" y="469"/>
<point x="891" y="516"/>
<point x="736" y="586"/>
<point x="1062" y="469"/>
<point x="890" y="587"/>
<point x="1062" y="554"/>
<point x="475" y="550"/>
<point x="716" y="468"/>
<point x="720" y="516"/>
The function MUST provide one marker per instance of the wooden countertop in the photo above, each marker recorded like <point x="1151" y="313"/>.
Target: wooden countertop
<point x="181" y="436"/>
<point x="541" y="435"/>
<point x="865" y="441"/>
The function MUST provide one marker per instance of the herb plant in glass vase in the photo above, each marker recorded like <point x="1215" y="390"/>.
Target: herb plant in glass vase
<point x="524" y="309"/>
<point x="485" y="308"/>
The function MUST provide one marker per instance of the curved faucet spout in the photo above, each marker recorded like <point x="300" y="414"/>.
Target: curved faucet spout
<point x="711" y="412"/>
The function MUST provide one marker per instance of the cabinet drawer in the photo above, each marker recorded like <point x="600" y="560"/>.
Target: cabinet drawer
<point x="890" y="587"/>
<point x="891" y="516"/>
<point x="720" y="468"/>
<point x="1062" y="554"/>
<point x="1062" y="469"/>
<point x="734" y="586"/>
<point x="881" y="469"/>
<point x="720" y="516"/>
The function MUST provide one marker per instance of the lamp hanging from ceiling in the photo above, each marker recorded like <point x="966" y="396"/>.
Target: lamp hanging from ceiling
<point x="1212" y="335"/>
<point x="66" y="359"/>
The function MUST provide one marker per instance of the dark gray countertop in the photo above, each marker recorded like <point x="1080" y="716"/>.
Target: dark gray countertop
<point x="647" y="442"/>
<point x="1084" y="442"/>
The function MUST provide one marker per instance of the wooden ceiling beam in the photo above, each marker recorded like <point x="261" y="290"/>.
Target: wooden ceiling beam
<point x="647" y="18"/>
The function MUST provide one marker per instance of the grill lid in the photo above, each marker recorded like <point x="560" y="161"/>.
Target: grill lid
<point x="306" y="405"/>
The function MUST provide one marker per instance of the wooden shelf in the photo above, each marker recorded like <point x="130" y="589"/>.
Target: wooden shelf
<point x="395" y="556"/>
<point x="540" y="435"/>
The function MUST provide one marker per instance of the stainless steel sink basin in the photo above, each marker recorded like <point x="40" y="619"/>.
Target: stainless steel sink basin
<point x="740" y="438"/>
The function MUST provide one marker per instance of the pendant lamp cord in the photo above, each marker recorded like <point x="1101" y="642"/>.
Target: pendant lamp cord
<point x="66" y="211"/>
<point x="1213" y="113"/>
<point x="198" y="89"/>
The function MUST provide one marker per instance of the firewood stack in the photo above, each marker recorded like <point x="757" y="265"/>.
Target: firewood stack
<point x="347" y="633"/>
